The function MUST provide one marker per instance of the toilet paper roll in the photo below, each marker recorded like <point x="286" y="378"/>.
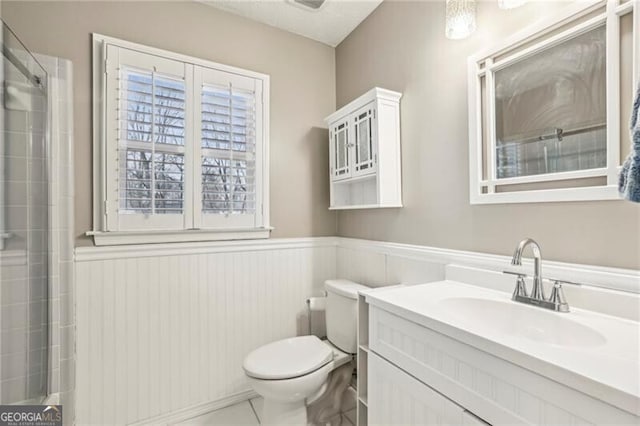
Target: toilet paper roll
<point x="317" y="303"/>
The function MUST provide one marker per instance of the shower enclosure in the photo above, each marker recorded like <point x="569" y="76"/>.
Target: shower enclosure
<point x="24" y="226"/>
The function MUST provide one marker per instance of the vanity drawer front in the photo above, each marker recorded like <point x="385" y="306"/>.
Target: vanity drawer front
<point x="396" y="398"/>
<point x="498" y="391"/>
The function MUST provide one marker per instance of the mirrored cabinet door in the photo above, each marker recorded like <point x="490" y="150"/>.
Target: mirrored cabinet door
<point x="363" y="136"/>
<point x="340" y="150"/>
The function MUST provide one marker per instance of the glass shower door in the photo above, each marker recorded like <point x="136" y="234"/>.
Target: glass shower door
<point x="24" y="226"/>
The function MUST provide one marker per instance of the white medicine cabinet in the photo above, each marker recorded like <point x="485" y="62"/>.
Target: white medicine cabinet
<point x="364" y="152"/>
<point x="549" y="107"/>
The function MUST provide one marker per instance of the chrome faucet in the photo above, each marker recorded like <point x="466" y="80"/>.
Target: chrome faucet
<point x="556" y="300"/>
<point x="538" y="291"/>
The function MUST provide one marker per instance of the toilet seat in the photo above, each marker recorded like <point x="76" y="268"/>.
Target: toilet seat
<point x="288" y="358"/>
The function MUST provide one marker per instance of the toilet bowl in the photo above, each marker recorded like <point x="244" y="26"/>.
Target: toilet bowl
<point x="293" y="373"/>
<point x="290" y="374"/>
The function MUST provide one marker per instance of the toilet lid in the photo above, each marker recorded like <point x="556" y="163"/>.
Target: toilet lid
<point x="288" y="358"/>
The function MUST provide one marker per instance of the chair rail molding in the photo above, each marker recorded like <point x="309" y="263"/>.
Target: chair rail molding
<point x="87" y="254"/>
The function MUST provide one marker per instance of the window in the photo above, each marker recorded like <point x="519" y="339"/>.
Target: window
<point x="180" y="147"/>
<point x="228" y="148"/>
<point x="546" y="108"/>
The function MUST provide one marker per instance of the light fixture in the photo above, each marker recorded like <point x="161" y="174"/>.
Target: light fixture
<point x="510" y="4"/>
<point x="460" y="18"/>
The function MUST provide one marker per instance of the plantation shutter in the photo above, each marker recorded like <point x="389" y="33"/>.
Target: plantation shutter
<point x="148" y="130"/>
<point x="228" y="120"/>
<point x="185" y="145"/>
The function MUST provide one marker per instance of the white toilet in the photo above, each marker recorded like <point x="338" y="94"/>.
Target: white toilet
<point x="293" y="373"/>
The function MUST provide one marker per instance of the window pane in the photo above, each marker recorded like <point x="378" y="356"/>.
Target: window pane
<point x="135" y="189"/>
<point x="169" y="111"/>
<point x="228" y="187"/>
<point x="216" y="186"/>
<point x="228" y="119"/>
<point x="153" y="183"/>
<point x="553" y="120"/>
<point x="228" y="145"/>
<point x="138" y="106"/>
<point x="152" y="145"/>
<point x="154" y="108"/>
<point x="169" y="183"/>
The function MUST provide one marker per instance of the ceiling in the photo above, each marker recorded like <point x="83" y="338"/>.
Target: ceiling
<point x="329" y="24"/>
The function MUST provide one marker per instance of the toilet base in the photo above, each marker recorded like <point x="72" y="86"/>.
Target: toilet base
<point x="284" y="413"/>
<point x="328" y="406"/>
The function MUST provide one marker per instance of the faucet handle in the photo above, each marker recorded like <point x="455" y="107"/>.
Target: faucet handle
<point x="514" y="272"/>
<point x="521" y="288"/>
<point x="557" y="281"/>
<point x="557" y="297"/>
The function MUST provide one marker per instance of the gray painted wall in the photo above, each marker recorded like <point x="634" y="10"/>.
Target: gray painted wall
<point x="401" y="46"/>
<point x="302" y="88"/>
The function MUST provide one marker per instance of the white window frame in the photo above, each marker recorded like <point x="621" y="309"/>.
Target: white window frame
<point x="612" y="12"/>
<point x="103" y="233"/>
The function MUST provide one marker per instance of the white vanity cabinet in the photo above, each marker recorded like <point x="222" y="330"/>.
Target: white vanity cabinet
<point x="364" y="152"/>
<point x="397" y="398"/>
<point x="419" y="376"/>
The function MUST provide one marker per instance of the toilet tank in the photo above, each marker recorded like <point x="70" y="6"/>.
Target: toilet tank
<point x="342" y="313"/>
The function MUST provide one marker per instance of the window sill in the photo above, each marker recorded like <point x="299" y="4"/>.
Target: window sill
<point x="115" y="238"/>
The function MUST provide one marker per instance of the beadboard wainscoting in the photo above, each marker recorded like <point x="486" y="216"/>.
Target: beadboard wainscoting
<point x="163" y="329"/>
<point x="365" y="262"/>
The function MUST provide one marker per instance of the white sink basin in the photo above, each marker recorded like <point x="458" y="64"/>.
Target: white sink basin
<point x="519" y="320"/>
<point x="594" y="353"/>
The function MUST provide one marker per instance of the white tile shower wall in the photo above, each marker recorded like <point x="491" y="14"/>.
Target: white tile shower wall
<point x="164" y="328"/>
<point x="61" y="295"/>
<point x="22" y="258"/>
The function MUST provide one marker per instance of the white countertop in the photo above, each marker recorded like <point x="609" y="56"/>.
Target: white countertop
<point x="608" y="369"/>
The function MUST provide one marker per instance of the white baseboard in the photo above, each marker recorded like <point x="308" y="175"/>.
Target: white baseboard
<point x="196" y="410"/>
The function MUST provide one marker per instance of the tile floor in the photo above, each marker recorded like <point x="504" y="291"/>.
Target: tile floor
<point x="246" y="413"/>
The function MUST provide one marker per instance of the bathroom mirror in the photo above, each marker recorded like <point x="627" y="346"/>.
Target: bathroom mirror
<point x="548" y="108"/>
<point x="553" y="121"/>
